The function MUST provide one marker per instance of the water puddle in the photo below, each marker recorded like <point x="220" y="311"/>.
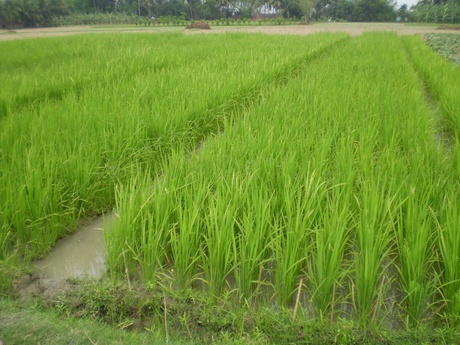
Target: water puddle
<point x="80" y="255"/>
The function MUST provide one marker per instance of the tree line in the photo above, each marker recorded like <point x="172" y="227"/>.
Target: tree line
<point x="435" y="11"/>
<point x="427" y="11"/>
<point x="32" y="13"/>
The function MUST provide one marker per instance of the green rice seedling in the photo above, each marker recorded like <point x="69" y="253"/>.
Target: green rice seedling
<point x="6" y="245"/>
<point x="415" y="247"/>
<point x="386" y="148"/>
<point x="456" y="156"/>
<point x="290" y="238"/>
<point x="217" y="259"/>
<point x="449" y="251"/>
<point x="123" y="254"/>
<point x="373" y="239"/>
<point x="185" y="238"/>
<point x="154" y="246"/>
<point x="326" y="268"/>
<point x="252" y="234"/>
<point x="416" y="235"/>
<point x="440" y="78"/>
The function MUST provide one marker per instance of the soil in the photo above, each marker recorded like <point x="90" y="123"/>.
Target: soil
<point x="353" y="29"/>
<point x="7" y="35"/>
<point x="451" y="27"/>
<point x="199" y="25"/>
<point x="34" y="285"/>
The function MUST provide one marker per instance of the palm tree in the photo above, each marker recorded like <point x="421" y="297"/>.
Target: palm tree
<point x="28" y="12"/>
<point x="8" y="14"/>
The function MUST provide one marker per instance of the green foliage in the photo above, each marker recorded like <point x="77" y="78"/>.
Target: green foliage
<point x="373" y="11"/>
<point x="30" y="13"/>
<point x="446" y="12"/>
<point x="97" y="19"/>
<point x="355" y="10"/>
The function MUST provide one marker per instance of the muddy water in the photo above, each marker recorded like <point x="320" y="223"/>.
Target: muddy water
<point x="79" y="255"/>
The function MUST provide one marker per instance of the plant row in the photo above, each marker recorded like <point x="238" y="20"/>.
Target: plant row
<point x="441" y="80"/>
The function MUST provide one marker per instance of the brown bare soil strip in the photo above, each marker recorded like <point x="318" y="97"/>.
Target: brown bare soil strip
<point x="354" y="29"/>
<point x="79" y="30"/>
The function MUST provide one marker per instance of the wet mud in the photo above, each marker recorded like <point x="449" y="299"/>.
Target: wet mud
<point x="80" y="255"/>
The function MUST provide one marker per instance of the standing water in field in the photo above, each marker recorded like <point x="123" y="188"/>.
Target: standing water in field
<point x="79" y="255"/>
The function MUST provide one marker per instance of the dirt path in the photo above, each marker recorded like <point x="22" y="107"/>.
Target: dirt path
<point x="353" y="29"/>
<point x="6" y="35"/>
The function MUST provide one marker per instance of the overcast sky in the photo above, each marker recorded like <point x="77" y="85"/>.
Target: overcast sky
<point x="409" y="3"/>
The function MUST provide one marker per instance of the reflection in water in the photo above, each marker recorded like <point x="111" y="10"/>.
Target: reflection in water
<point x="79" y="255"/>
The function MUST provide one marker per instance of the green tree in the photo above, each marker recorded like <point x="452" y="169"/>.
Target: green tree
<point x="344" y="9"/>
<point x="305" y="7"/>
<point x="8" y="14"/>
<point x="28" y="12"/>
<point x="445" y="11"/>
<point x="374" y="11"/>
<point x="49" y="9"/>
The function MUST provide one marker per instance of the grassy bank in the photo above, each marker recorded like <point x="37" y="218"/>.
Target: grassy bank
<point x="33" y="325"/>
<point x="193" y="323"/>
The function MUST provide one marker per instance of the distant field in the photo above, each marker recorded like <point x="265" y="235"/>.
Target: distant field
<point x="350" y="28"/>
<point x="318" y="172"/>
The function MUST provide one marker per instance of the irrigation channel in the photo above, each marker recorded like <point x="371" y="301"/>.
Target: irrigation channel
<point x="79" y="255"/>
